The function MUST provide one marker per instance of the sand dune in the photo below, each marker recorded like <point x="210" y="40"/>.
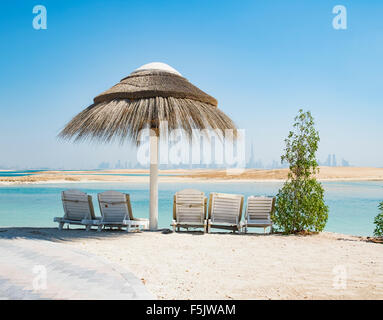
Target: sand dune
<point x="326" y="173"/>
<point x="208" y="175"/>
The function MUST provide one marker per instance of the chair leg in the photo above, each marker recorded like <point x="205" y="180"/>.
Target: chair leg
<point x="87" y="227"/>
<point x="61" y="225"/>
<point x="99" y="228"/>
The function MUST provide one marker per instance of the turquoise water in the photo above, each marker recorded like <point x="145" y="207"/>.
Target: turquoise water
<point x="18" y="173"/>
<point x="121" y="174"/>
<point x="353" y="205"/>
<point x="23" y="173"/>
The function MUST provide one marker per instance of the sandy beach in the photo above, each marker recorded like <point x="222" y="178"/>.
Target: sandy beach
<point x="196" y="175"/>
<point x="231" y="266"/>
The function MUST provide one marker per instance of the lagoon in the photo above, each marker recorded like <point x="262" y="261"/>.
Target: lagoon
<point x="352" y="204"/>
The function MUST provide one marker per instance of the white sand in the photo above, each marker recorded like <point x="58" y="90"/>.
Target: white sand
<point x="192" y="176"/>
<point x="231" y="266"/>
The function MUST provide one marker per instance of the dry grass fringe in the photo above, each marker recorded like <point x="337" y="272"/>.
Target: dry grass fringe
<point x="124" y="119"/>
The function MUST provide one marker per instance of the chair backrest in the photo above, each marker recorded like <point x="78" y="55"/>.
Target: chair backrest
<point x="77" y="205"/>
<point x="259" y="208"/>
<point x="225" y="208"/>
<point x="115" y="206"/>
<point x="189" y="205"/>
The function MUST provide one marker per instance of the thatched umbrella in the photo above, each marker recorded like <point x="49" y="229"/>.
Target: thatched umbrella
<point x="153" y="93"/>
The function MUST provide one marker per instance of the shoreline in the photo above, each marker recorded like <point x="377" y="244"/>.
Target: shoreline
<point x="188" y="181"/>
<point x="327" y="174"/>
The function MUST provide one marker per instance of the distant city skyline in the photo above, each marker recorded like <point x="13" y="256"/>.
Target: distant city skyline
<point x="251" y="163"/>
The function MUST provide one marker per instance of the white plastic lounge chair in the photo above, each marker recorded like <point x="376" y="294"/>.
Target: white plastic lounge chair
<point x="225" y="211"/>
<point x="189" y="210"/>
<point x="258" y="213"/>
<point x="116" y="211"/>
<point x="77" y="207"/>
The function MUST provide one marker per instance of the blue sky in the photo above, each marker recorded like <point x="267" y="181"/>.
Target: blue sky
<point x="262" y="60"/>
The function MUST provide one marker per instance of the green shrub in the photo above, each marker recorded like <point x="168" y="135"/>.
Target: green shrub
<point x="300" y="205"/>
<point x="379" y="222"/>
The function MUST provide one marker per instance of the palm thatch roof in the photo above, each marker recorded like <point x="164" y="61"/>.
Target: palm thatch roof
<point x="151" y="94"/>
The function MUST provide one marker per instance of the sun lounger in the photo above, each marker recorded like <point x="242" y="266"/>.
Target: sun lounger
<point x="258" y="213"/>
<point x="116" y="211"/>
<point x="225" y="211"/>
<point x="189" y="210"/>
<point x="78" y="207"/>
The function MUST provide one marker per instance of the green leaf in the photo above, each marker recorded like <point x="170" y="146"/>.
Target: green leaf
<point x="300" y="202"/>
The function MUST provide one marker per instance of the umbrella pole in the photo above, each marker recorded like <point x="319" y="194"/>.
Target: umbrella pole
<point x="153" y="217"/>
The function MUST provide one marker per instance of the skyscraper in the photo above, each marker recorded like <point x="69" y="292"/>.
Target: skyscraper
<point x="328" y="162"/>
<point x="333" y="164"/>
<point x="251" y="163"/>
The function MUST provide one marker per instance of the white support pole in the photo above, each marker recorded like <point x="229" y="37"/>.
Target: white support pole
<point x="153" y="217"/>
